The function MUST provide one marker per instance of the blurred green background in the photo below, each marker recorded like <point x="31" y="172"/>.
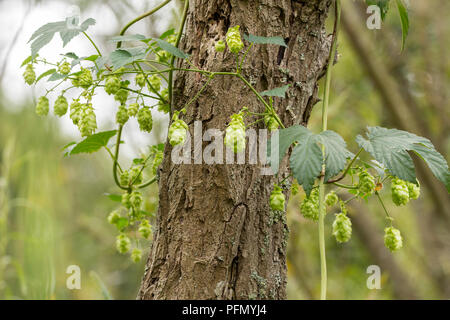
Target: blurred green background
<point x="53" y="209"/>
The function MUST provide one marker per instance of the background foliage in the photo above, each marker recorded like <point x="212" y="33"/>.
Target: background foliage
<point x="53" y="210"/>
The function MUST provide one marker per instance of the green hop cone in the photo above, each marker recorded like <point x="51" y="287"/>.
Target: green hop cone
<point x="234" y="41"/>
<point x="61" y="106"/>
<point x="145" y="229"/>
<point x="145" y="120"/>
<point x="155" y="82"/>
<point x="121" y="95"/>
<point x="75" y="111"/>
<point x="366" y="183"/>
<point x="29" y="75"/>
<point x="294" y="188"/>
<point x="64" y="68"/>
<point x="220" y="46"/>
<point x="88" y="121"/>
<point x="136" y="255"/>
<point x="413" y="190"/>
<point x="112" y="85"/>
<point x="136" y="175"/>
<point x="277" y="199"/>
<point x="235" y="133"/>
<point x="157" y="160"/>
<point x="162" y="56"/>
<point x="164" y="106"/>
<point x="136" y="200"/>
<point x="139" y="80"/>
<point x="172" y="39"/>
<point x="126" y="202"/>
<point x="83" y="79"/>
<point x="342" y="228"/>
<point x="122" y="115"/>
<point x="177" y="131"/>
<point x="123" y="243"/>
<point x="331" y="199"/>
<point x="113" y="217"/>
<point x="399" y="191"/>
<point x="393" y="239"/>
<point x="125" y="178"/>
<point x="309" y="208"/>
<point x="133" y="109"/>
<point x="42" y="106"/>
<point x="271" y="122"/>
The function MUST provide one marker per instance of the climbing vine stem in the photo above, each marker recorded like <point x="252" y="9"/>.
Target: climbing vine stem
<point x="322" y="208"/>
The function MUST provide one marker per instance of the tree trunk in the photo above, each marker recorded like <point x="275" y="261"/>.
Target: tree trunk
<point x="216" y="237"/>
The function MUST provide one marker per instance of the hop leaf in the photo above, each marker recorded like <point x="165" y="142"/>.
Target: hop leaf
<point x="145" y="119"/>
<point x="393" y="239"/>
<point x="234" y="41"/>
<point x="342" y="228"/>
<point x="61" y="106"/>
<point x="277" y="199"/>
<point x="123" y="243"/>
<point x="400" y="192"/>
<point x="42" y="106"/>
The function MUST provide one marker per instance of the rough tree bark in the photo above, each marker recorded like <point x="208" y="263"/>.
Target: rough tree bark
<point x="216" y="237"/>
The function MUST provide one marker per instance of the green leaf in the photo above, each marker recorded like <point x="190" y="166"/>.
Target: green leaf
<point x="87" y="23"/>
<point x="265" y="40"/>
<point x="114" y="197"/>
<point x="57" y="76"/>
<point x="306" y="161"/>
<point x="46" y="73"/>
<point x="121" y="57"/>
<point x="281" y="140"/>
<point x="336" y="153"/>
<point x="167" y="33"/>
<point x="130" y="37"/>
<point x="171" y="49"/>
<point x="26" y="61"/>
<point x="71" y="55"/>
<point x="51" y="27"/>
<point x="404" y="17"/>
<point x="277" y="92"/>
<point x="121" y="223"/>
<point x="382" y="4"/>
<point x="94" y="142"/>
<point x="40" y="42"/>
<point x="390" y="147"/>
